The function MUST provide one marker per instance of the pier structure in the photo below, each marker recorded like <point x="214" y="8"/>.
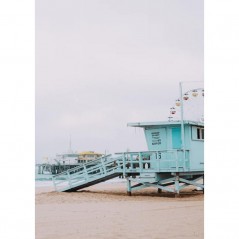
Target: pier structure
<point x="53" y="168"/>
<point x="66" y="161"/>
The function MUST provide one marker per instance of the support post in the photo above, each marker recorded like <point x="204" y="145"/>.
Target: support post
<point x="177" y="185"/>
<point x="128" y="187"/>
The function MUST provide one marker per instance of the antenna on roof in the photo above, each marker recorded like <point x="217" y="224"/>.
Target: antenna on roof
<point x="70" y="150"/>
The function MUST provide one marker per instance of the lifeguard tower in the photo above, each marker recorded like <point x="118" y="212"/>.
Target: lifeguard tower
<point x="174" y="160"/>
<point x="172" y="163"/>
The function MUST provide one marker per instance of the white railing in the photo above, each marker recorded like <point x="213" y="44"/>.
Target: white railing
<point x="86" y="173"/>
<point x="158" y="161"/>
<point x="126" y="162"/>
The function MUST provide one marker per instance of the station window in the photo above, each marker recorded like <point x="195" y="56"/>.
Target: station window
<point x="200" y="133"/>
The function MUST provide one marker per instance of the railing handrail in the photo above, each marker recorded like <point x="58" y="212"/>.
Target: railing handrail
<point x="107" y="156"/>
<point x="82" y="165"/>
<point x="153" y="151"/>
<point x="109" y="164"/>
<point x="83" y="173"/>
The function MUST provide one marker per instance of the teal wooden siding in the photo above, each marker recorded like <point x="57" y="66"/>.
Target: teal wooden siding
<point x="176" y="138"/>
<point x="156" y="138"/>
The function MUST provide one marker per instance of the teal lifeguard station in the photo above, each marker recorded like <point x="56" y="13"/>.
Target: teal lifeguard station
<point x="166" y="139"/>
<point x="178" y="157"/>
<point x="174" y="160"/>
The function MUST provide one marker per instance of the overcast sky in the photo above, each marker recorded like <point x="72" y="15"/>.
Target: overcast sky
<point x="103" y="63"/>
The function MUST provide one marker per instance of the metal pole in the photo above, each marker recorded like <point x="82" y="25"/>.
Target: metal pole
<point x="182" y="123"/>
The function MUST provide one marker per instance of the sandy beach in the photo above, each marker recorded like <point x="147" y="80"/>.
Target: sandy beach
<point x="104" y="211"/>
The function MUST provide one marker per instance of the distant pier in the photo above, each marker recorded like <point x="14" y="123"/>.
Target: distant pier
<point x="53" y="168"/>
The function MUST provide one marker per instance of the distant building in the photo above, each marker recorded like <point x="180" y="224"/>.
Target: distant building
<point x="76" y="158"/>
<point x="88" y="156"/>
<point x="67" y="158"/>
<point x="73" y="158"/>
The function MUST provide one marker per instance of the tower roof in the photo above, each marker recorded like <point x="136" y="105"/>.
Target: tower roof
<point x="159" y="123"/>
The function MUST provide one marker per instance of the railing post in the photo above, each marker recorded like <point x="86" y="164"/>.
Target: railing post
<point x="140" y="162"/>
<point x="86" y="173"/>
<point x="184" y="160"/>
<point x="117" y="163"/>
<point x="124" y="166"/>
<point x="69" y="179"/>
<point x="176" y="158"/>
<point x="131" y="159"/>
<point x="188" y="160"/>
<point x="158" y="159"/>
<point x="103" y="165"/>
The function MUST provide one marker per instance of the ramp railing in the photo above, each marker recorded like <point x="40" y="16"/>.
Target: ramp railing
<point x="122" y="163"/>
<point x="87" y="172"/>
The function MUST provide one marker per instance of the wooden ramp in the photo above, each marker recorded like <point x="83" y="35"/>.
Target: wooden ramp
<point x="93" y="182"/>
<point x="88" y="174"/>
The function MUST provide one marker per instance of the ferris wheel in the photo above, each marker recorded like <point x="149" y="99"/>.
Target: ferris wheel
<point x="193" y="106"/>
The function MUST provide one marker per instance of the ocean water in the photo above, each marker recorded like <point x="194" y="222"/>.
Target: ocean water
<point x="39" y="184"/>
<point x="49" y="183"/>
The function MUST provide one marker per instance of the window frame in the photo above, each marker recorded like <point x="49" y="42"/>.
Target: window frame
<point x="199" y="133"/>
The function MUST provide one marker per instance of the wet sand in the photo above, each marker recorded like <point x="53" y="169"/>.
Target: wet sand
<point x="104" y="211"/>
